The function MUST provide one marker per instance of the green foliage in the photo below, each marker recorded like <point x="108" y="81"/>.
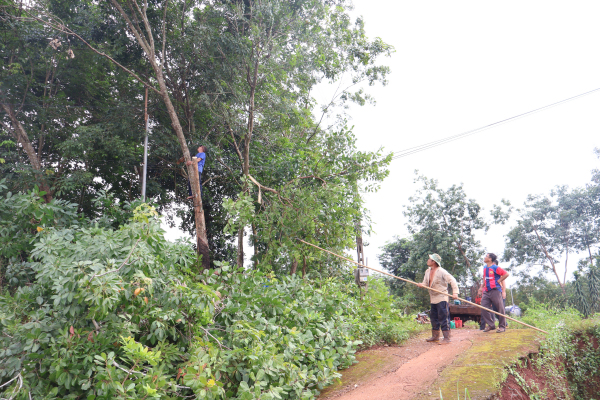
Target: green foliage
<point x="78" y="113"/>
<point x="446" y="222"/>
<point x="321" y="208"/>
<point x="471" y="324"/>
<point x="549" y="317"/>
<point x="395" y="258"/>
<point x="594" y="287"/>
<point x="116" y="313"/>
<point x="569" y="353"/>
<point x="552" y="227"/>
<point x="580" y="297"/>
<point x="22" y="217"/>
<point x="246" y="73"/>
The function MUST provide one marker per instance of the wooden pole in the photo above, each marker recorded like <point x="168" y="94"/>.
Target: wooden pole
<point x="145" y="173"/>
<point x="415" y="283"/>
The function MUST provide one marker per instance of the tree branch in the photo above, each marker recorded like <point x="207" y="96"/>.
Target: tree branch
<point x="208" y="333"/>
<point x="121" y="266"/>
<point x="237" y="150"/>
<point x="68" y="31"/>
<point x="164" y="36"/>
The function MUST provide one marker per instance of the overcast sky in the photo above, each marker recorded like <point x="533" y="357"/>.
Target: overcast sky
<point x="462" y="65"/>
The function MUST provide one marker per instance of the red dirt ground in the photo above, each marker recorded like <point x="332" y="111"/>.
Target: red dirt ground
<point x="416" y="368"/>
<point x="534" y="378"/>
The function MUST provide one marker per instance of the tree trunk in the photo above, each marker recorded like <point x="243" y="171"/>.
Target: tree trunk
<point x="240" y="254"/>
<point x="294" y="266"/>
<point x="246" y="150"/>
<point x="21" y="136"/>
<point x="566" y="261"/>
<point x="303" y="266"/>
<point x="147" y="44"/>
<point x="254" y="242"/>
<point x="201" y="237"/>
<point x="467" y="262"/>
<point x="562" y="286"/>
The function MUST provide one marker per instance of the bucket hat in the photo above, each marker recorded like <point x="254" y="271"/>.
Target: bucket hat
<point x="436" y="257"/>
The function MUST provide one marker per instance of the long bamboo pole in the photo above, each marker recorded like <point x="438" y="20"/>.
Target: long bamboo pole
<point x="415" y="283"/>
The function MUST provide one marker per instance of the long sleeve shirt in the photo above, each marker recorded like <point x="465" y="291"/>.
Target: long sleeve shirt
<point x="440" y="281"/>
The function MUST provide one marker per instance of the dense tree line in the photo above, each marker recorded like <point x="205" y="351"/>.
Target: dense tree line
<point x="236" y="76"/>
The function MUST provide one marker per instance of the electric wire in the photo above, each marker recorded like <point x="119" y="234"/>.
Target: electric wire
<point x="426" y="146"/>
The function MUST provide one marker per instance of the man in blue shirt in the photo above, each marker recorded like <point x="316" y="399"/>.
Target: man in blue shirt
<point x="200" y="159"/>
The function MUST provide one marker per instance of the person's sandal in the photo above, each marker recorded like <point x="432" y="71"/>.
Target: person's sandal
<point x="500" y="330"/>
<point x="489" y="328"/>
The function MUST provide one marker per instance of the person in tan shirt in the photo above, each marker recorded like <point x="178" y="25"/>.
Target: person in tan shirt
<point x="438" y="278"/>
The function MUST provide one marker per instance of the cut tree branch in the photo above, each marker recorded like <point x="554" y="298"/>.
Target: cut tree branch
<point x="121" y="266"/>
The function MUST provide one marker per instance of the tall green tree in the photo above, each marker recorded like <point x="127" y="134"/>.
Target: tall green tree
<point x="594" y="287"/>
<point x="235" y="76"/>
<point x="446" y="222"/>
<point x="316" y="202"/>
<point x="70" y="122"/>
<point x="553" y="227"/>
<point x="395" y="256"/>
<point x="271" y="54"/>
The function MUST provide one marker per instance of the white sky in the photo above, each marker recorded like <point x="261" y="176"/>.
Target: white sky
<point x="461" y="65"/>
<point x="464" y="64"/>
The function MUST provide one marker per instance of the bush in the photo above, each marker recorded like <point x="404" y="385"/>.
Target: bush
<point x="548" y="317"/>
<point x="117" y="313"/>
<point x="22" y="216"/>
<point x="569" y="356"/>
<point x="471" y="324"/>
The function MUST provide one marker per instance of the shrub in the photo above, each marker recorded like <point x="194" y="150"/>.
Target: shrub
<point x="22" y="216"/>
<point x="471" y="324"/>
<point x="569" y="356"/>
<point x="548" y="317"/>
<point x="117" y="313"/>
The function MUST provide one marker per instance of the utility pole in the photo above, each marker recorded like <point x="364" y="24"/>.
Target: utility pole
<point x="360" y="274"/>
<point x="144" y="174"/>
<point x="360" y="254"/>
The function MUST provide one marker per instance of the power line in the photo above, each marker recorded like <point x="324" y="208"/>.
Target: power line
<point x="426" y="146"/>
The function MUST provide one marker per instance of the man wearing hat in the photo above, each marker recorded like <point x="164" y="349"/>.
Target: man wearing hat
<point x="438" y="278"/>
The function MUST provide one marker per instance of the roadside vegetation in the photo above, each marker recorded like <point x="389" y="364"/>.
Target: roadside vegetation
<point x="568" y="360"/>
<point x="97" y="311"/>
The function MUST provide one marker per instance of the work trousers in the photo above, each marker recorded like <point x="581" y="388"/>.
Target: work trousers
<point x="190" y="186"/>
<point x="439" y="316"/>
<point x="494" y="316"/>
<point x="493" y="298"/>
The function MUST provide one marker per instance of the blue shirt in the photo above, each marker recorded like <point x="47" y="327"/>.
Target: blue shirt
<point x="491" y="275"/>
<point x="202" y="157"/>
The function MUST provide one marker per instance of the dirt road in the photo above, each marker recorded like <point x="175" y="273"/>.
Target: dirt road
<point x="407" y="371"/>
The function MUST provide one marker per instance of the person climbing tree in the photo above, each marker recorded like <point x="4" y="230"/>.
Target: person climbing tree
<point x="438" y="278"/>
<point x="200" y="159"/>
